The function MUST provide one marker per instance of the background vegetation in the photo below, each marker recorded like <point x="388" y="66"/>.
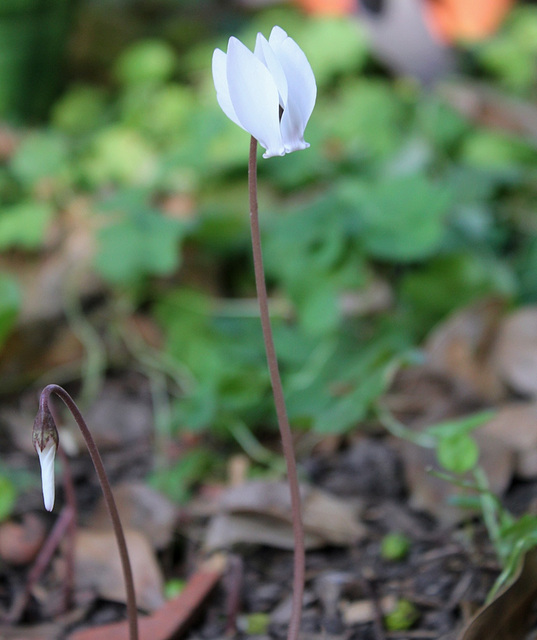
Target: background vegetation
<point x="403" y="210"/>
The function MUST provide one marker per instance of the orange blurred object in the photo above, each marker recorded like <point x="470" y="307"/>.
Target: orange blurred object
<point x="328" y="7"/>
<point x="456" y="20"/>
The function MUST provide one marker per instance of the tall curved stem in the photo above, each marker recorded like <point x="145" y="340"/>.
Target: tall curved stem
<point x="279" y="401"/>
<point x="108" y="497"/>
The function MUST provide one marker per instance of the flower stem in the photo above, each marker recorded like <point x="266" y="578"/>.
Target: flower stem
<point x="279" y="401"/>
<point x="108" y="497"/>
<point x="70" y="498"/>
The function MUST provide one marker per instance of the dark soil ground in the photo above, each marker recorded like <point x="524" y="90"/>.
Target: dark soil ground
<point x="445" y="576"/>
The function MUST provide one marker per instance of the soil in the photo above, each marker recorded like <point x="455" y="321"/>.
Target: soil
<point x="445" y="575"/>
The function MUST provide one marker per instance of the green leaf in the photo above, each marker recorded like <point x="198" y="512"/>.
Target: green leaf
<point x="8" y="496"/>
<point x="24" y="224"/>
<point x="441" y="123"/>
<point x="10" y="301"/>
<point x="80" y="110"/>
<point x="497" y="150"/>
<point x="151" y="61"/>
<point x="319" y="311"/>
<point x="177" y="481"/>
<point x="335" y="389"/>
<point x="119" y="155"/>
<point x="41" y="155"/>
<point x="162" y="112"/>
<point x="191" y="339"/>
<point x="449" y="282"/>
<point x="512" y="54"/>
<point x="403" y="217"/>
<point x="458" y="453"/>
<point x="139" y="245"/>
<point x="460" y="426"/>
<point x="364" y="116"/>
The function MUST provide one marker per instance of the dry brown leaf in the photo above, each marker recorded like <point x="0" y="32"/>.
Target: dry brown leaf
<point x="490" y="108"/>
<point x="171" y="619"/>
<point x="45" y="277"/>
<point x="35" y="632"/>
<point x="431" y="494"/>
<point x="117" y="418"/>
<point x="140" y="508"/>
<point x="98" y="567"/>
<point x="516" y="426"/>
<point x="460" y="347"/>
<point x="515" y="353"/>
<point x="35" y="349"/>
<point x="509" y="615"/>
<point x="260" y="513"/>
<point x="362" y="611"/>
<point x="20" y="542"/>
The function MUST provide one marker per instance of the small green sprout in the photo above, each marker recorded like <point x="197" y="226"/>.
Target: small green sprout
<point x="173" y="588"/>
<point x="257" y="624"/>
<point x="394" y="546"/>
<point x="402" y="617"/>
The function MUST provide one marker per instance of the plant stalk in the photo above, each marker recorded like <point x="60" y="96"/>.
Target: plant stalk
<point x="70" y="498"/>
<point x="279" y="401"/>
<point x="108" y="497"/>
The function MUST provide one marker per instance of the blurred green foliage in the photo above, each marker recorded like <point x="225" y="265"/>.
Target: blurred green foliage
<point x="8" y="496"/>
<point x="397" y="188"/>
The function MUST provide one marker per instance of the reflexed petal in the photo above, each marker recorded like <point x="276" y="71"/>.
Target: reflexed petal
<point x="220" y="84"/>
<point x="300" y="78"/>
<point x="46" y="459"/>
<point x="264" y="52"/>
<point x="277" y="36"/>
<point x="302" y="88"/>
<point x="255" y="97"/>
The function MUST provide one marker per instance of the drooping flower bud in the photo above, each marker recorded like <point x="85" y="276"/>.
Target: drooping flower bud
<point x="45" y="440"/>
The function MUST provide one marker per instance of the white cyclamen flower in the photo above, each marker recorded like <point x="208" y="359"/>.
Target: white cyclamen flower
<point x="270" y="93"/>
<point x="46" y="460"/>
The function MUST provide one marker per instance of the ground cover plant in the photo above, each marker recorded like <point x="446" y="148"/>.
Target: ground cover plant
<point x="400" y="251"/>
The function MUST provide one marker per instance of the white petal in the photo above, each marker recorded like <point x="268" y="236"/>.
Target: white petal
<point x="220" y="84"/>
<point x="264" y="52"/>
<point x="255" y="97"/>
<point x="46" y="459"/>
<point x="277" y="36"/>
<point x="302" y="88"/>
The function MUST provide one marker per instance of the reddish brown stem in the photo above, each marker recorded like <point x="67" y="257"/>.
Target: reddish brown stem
<point x="279" y="401"/>
<point x="70" y="498"/>
<point x="108" y="497"/>
<point x="42" y="561"/>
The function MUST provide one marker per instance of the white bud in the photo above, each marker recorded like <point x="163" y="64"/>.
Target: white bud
<point x="46" y="459"/>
